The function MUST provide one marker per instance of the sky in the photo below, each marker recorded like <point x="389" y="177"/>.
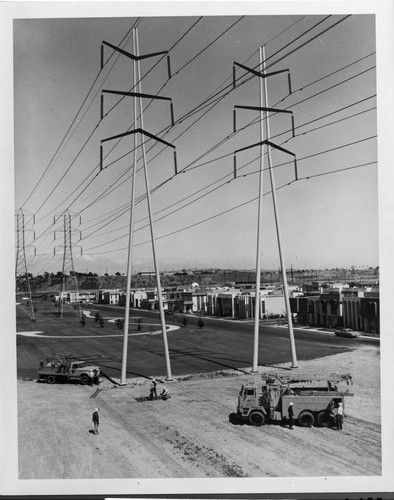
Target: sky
<point x="203" y="216"/>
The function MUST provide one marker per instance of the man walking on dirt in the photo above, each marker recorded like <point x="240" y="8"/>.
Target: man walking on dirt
<point x="96" y="420"/>
<point x="290" y="412"/>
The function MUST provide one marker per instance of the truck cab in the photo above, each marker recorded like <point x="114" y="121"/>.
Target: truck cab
<point x="250" y="404"/>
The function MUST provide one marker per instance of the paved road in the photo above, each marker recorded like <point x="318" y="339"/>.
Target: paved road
<point x="219" y="345"/>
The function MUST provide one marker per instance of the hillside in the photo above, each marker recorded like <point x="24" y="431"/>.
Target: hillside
<point x="50" y="282"/>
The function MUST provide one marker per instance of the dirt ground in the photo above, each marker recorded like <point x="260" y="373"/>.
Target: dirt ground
<point x="192" y="435"/>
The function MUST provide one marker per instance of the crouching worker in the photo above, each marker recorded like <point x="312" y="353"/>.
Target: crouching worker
<point x="165" y="394"/>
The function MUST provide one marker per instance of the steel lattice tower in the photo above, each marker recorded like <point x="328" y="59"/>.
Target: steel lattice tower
<point x="22" y="279"/>
<point x="69" y="284"/>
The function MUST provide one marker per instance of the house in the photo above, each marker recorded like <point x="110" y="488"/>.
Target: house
<point x="150" y="301"/>
<point x="245" y="306"/>
<point x="350" y="308"/>
<point x="200" y="299"/>
<point x="362" y="313"/>
<point x="110" y="297"/>
<point x="274" y="305"/>
<point x="221" y="302"/>
<point x="87" y="296"/>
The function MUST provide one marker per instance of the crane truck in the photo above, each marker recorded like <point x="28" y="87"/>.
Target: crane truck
<point x="315" y="401"/>
<point x="65" y="368"/>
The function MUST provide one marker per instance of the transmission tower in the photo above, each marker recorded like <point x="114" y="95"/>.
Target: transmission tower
<point x="141" y="133"/>
<point x="264" y="111"/>
<point x="22" y="279"/>
<point x="69" y="292"/>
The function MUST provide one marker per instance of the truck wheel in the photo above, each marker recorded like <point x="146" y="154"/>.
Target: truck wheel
<point x="323" y="419"/>
<point x="51" y="379"/>
<point x="306" y="419"/>
<point x="84" y="379"/>
<point x="256" y="418"/>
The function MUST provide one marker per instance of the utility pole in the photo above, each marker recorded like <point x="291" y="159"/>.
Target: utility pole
<point x="138" y="96"/>
<point x="70" y="283"/>
<point x="20" y="260"/>
<point x="264" y="108"/>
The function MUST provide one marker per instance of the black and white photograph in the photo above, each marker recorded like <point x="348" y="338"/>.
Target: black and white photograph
<point x="196" y="266"/>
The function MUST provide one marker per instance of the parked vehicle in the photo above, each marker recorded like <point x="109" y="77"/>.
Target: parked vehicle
<point x="65" y="368"/>
<point x="314" y="401"/>
<point x="347" y="332"/>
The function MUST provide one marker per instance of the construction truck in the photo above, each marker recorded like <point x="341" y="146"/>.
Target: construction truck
<point x="315" y="401"/>
<point x="64" y="368"/>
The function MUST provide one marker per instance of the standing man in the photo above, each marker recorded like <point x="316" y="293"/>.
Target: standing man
<point x="153" y="390"/>
<point x="96" y="420"/>
<point x="339" y="417"/>
<point x="290" y="412"/>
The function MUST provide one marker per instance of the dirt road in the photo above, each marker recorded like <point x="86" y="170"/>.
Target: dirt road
<point x="192" y="434"/>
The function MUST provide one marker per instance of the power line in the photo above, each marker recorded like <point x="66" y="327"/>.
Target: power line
<point x="308" y="41"/>
<point x="240" y="205"/>
<point x="255" y="121"/>
<point x="300" y="126"/>
<point x="69" y="128"/>
<point x="187" y="167"/>
<point x="99" y="123"/>
<point x="299" y="160"/>
<point x="325" y="125"/>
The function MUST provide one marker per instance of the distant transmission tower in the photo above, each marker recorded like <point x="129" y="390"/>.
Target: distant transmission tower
<point x="69" y="292"/>
<point x="22" y="279"/>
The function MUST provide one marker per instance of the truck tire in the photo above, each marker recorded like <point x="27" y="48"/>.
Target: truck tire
<point x="51" y="379"/>
<point x="323" y="419"/>
<point x="84" y="379"/>
<point x="306" y="419"/>
<point x="256" y="418"/>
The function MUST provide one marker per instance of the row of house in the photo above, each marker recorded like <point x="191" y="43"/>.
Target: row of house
<point x="327" y="305"/>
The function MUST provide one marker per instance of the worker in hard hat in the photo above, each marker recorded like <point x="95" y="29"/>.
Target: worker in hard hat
<point x="339" y="417"/>
<point x="290" y="412"/>
<point x="96" y="420"/>
<point x="153" y="390"/>
<point x="165" y="394"/>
